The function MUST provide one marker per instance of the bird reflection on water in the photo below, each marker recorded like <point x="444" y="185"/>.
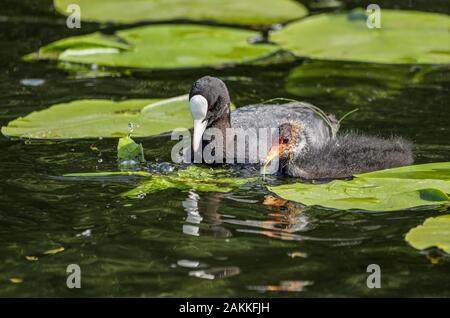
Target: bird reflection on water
<point x="203" y="218"/>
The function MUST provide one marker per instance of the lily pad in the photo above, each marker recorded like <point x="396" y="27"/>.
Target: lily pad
<point x="159" y="47"/>
<point x="405" y="37"/>
<point x="434" y="232"/>
<point x="387" y="190"/>
<point x="430" y="171"/>
<point x="249" y="12"/>
<point x="102" y="118"/>
<point x="354" y="83"/>
<point x="192" y="178"/>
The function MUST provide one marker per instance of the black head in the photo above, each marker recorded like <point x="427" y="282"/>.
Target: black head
<point x="209" y="102"/>
<point x="213" y="90"/>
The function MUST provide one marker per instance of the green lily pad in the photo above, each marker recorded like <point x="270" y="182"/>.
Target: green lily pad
<point x="354" y="83"/>
<point x="159" y="47"/>
<point x="434" y="232"/>
<point x="405" y="37"/>
<point x="102" y="118"/>
<point x="431" y="171"/>
<point x="249" y="12"/>
<point x="192" y="178"/>
<point x="387" y="190"/>
<point x="128" y="149"/>
<point x="94" y="118"/>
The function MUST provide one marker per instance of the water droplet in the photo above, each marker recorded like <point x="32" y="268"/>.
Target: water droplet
<point x="130" y="128"/>
<point x="141" y="195"/>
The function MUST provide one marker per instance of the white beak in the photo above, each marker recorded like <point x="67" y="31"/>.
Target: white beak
<point x="199" y="108"/>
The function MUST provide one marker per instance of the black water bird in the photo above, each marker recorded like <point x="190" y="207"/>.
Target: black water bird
<point x="209" y="101"/>
<point x="307" y="144"/>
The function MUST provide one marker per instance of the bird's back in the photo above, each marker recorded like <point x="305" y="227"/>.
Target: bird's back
<point x="272" y="116"/>
<point x="349" y="154"/>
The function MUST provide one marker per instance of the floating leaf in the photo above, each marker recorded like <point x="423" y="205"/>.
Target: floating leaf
<point x="387" y="190"/>
<point x="191" y="178"/>
<point x="354" y="83"/>
<point x="251" y="12"/>
<point x="405" y="37"/>
<point x="159" y="47"/>
<point x="102" y="118"/>
<point x="127" y="149"/>
<point x="16" y="280"/>
<point x="31" y="258"/>
<point x="434" y="232"/>
<point x="54" y="251"/>
<point x="436" y="171"/>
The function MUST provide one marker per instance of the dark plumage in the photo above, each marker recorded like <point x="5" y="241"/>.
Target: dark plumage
<point x="348" y="154"/>
<point x="256" y="116"/>
<point x="305" y="146"/>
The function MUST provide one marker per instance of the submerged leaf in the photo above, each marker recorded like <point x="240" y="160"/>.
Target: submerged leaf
<point x="160" y="47"/>
<point x="354" y="83"/>
<point x="191" y="178"/>
<point x="434" y="232"/>
<point x="54" y="251"/>
<point x="16" y="280"/>
<point x="405" y="37"/>
<point x="102" y="118"/>
<point x="229" y="11"/>
<point x="386" y="190"/>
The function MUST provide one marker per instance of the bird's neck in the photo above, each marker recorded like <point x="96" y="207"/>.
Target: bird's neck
<point x="222" y="123"/>
<point x="219" y="126"/>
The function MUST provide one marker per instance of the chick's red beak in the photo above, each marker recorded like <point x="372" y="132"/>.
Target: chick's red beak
<point x="276" y="150"/>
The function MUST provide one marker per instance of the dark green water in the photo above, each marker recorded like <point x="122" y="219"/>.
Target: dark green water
<point x="153" y="246"/>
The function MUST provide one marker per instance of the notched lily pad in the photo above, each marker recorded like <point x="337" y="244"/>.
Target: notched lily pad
<point x="102" y="118"/>
<point x="405" y="37"/>
<point x="386" y="190"/>
<point x="159" y="47"/>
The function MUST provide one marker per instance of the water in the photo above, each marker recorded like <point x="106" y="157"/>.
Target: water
<point x="174" y="243"/>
